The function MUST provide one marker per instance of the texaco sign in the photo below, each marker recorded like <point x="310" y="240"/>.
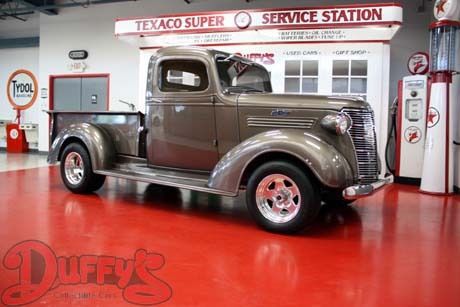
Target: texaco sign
<point x="22" y="89"/>
<point x="433" y="117"/>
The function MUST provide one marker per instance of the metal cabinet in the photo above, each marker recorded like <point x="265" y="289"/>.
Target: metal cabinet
<point x="80" y="93"/>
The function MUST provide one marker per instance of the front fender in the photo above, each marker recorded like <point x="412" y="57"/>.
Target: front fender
<point x="328" y="165"/>
<point x="100" y="147"/>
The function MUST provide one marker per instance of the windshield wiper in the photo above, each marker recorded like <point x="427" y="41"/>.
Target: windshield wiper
<point x="235" y="58"/>
<point x="227" y="59"/>
<point x="242" y="89"/>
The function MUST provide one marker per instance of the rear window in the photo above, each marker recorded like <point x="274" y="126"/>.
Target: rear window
<point x="183" y="76"/>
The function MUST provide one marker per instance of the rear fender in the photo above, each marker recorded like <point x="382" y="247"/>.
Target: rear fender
<point x="97" y="141"/>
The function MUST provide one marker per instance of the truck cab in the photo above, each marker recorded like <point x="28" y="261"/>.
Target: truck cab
<point x="193" y="87"/>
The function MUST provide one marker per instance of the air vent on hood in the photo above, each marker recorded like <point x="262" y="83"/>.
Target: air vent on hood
<point x="287" y="122"/>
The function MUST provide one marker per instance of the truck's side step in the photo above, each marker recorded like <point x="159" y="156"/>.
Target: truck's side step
<point x="179" y="179"/>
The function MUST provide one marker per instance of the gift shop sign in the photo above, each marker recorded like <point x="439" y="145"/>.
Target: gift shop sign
<point x="22" y="89"/>
<point x="294" y="18"/>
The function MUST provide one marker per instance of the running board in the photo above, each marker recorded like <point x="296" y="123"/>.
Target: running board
<point x="183" y="180"/>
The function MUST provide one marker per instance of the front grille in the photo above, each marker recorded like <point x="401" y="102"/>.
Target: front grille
<point x="362" y="133"/>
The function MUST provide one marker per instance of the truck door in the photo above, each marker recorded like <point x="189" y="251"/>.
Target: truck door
<point x="181" y="117"/>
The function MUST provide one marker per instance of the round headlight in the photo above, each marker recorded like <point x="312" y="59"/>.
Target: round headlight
<point x="342" y="124"/>
<point x="339" y="123"/>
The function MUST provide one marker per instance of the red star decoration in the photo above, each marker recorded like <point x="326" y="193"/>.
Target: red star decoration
<point x="440" y="6"/>
<point x="431" y="117"/>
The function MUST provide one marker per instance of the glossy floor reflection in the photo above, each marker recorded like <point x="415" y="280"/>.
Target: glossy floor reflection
<point x="396" y="248"/>
<point x="17" y="161"/>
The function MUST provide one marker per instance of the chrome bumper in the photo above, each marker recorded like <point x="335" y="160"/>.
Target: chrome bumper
<point x="361" y="190"/>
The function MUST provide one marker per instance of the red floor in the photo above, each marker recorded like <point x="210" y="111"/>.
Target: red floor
<point x="397" y="248"/>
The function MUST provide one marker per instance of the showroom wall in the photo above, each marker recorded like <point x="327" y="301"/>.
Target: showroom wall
<point x="11" y="60"/>
<point x="92" y="29"/>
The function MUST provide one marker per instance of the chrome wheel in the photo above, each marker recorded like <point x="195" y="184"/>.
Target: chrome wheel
<point x="278" y="198"/>
<point x="74" y="169"/>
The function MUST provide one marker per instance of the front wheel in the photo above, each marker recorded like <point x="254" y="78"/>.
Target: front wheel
<point x="77" y="172"/>
<point x="282" y="198"/>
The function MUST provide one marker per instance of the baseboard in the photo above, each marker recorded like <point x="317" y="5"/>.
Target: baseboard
<point x="407" y="180"/>
<point x="415" y="181"/>
<point x="32" y="151"/>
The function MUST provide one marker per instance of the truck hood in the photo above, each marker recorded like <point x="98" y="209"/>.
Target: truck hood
<point x="271" y="100"/>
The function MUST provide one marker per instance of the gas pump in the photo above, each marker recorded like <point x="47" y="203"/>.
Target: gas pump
<point x="438" y="168"/>
<point x="411" y="121"/>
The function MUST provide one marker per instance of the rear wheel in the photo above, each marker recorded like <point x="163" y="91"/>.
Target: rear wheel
<point x="77" y="172"/>
<point x="282" y="198"/>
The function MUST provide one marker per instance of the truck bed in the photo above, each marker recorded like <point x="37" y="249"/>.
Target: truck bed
<point x="123" y="127"/>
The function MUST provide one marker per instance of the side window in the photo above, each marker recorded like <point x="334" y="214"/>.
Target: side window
<point x="301" y="76"/>
<point x="349" y="77"/>
<point x="183" y="76"/>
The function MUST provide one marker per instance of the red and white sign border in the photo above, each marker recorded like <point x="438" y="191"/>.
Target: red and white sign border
<point x="391" y="16"/>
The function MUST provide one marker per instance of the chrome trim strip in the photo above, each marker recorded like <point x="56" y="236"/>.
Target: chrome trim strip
<point x="289" y="122"/>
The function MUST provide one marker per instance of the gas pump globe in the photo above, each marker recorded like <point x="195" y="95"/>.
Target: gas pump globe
<point x="438" y="168"/>
<point x="445" y="39"/>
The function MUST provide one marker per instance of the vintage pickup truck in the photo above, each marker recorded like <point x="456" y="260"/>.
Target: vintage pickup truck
<point x="212" y="124"/>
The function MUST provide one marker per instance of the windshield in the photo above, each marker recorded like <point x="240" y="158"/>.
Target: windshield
<point x="241" y="76"/>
